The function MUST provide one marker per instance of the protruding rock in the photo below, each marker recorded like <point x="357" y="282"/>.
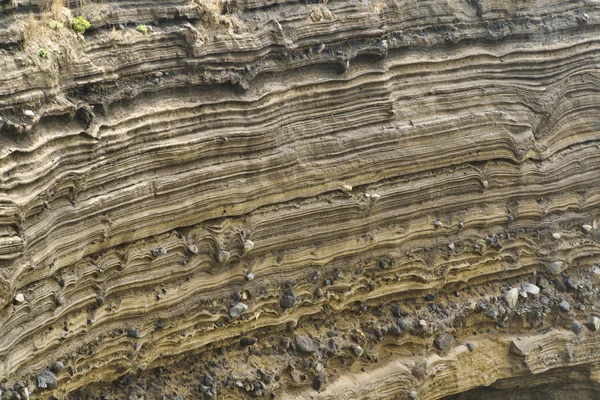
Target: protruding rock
<point x="248" y="341"/>
<point x="249" y="276"/>
<point x="191" y="249"/>
<point x="437" y="224"/>
<point x="512" y="297"/>
<point x="412" y="395"/>
<point x="248" y="245"/>
<point x="556" y="236"/>
<point x="306" y="345"/>
<point x="357" y="350"/>
<point x="530" y="288"/>
<point x="443" y="341"/>
<point x="595" y="323"/>
<point x="19" y="298"/>
<point x="29" y="113"/>
<point x="375" y="197"/>
<point x="555" y="267"/>
<point x="221" y="256"/>
<point x="320" y="47"/>
<point x="485" y="183"/>
<point x="237" y="310"/>
<point x="287" y="300"/>
<point x="451" y="246"/>
<point x="586" y="228"/>
<point x="60" y="300"/>
<point x="318" y="382"/>
<point x="577" y="327"/>
<point x="57" y="367"/>
<point x="471" y="346"/>
<point x="160" y="251"/>
<point x="46" y="380"/>
<point x="134" y="333"/>
<point x="565" y="306"/>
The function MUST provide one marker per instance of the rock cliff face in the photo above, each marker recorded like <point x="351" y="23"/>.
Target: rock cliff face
<point x="340" y="199"/>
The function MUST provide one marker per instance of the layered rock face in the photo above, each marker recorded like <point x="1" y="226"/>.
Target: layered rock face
<point x="258" y="199"/>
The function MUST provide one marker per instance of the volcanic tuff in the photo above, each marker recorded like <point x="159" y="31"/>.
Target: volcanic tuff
<point x="343" y="199"/>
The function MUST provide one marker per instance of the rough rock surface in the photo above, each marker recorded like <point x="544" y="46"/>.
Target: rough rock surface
<point x="188" y="187"/>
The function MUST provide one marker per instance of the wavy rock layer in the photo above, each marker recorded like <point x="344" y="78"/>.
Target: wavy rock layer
<point x="348" y="199"/>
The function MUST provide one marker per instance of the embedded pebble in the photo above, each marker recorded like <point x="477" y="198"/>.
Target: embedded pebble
<point x="29" y="113"/>
<point x="577" y="327"/>
<point x="565" y="306"/>
<point x="306" y="345"/>
<point x="586" y="228"/>
<point x="595" y="322"/>
<point x="46" y="380"/>
<point x="530" y="288"/>
<point x="159" y="252"/>
<point x="554" y="267"/>
<point x="57" y="367"/>
<point x="437" y="224"/>
<point x="443" y="341"/>
<point x="192" y="249"/>
<point x="357" y="350"/>
<point x="248" y="341"/>
<point x="512" y="297"/>
<point x="249" y="276"/>
<point x="556" y="236"/>
<point x="237" y="310"/>
<point x="222" y="256"/>
<point x="287" y="300"/>
<point x="248" y="245"/>
<point x="19" y="298"/>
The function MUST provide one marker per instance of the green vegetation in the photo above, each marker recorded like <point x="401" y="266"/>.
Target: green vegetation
<point x="142" y="28"/>
<point x="80" y="24"/>
<point x="43" y="53"/>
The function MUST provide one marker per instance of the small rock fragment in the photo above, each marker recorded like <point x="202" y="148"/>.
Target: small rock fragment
<point x="512" y="297"/>
<point x="287" y="300"/>
<point x="249" y="276"/>
<point x="99" y="301"/>
<point x="357" y="350"/>
<point x="318" y="382"/>
<point x="46" y="380"/>
<point x="451" y="246"/>
<point x="375" y="197"/>
<point x="19" y="298"/>
<point x="134" y="333"/>
<point x="470" y="346"/>
<point x="595" y="322"/>
<point x="29" y="113"/>
<point x="60" y="300"/>
<point x="221" y="256"/>
<point x="248" y="245"/>
<point x="556" y="236"/>
<point x="306" y="345"/>
<point x="237" y="310"/>
<point x="586" y="228"/>
<point x="485" y="184"/>
<point x="248" y="341"/>
<point x="577" y="327"/>
<point x="437" y="224"/>
<point x="554" y="267"/>
<point x="443" y="341"/>
<point x="412" y="395"/>
<point x="192" y="249"/>
<point x="530" y="288"/>
<point x="565" y="306"/>
<point x="320" y="47"/>
<point x="57" y="367"/>
<point x="159" y="252"/>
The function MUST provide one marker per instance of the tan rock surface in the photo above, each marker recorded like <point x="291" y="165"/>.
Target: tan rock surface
<point x="178" y="206"/>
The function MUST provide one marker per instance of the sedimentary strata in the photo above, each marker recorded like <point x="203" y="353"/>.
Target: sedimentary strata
<point x="342" y="199"/>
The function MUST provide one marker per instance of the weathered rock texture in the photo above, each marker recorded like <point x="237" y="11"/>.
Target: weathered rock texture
<point x="316" y="200"/>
